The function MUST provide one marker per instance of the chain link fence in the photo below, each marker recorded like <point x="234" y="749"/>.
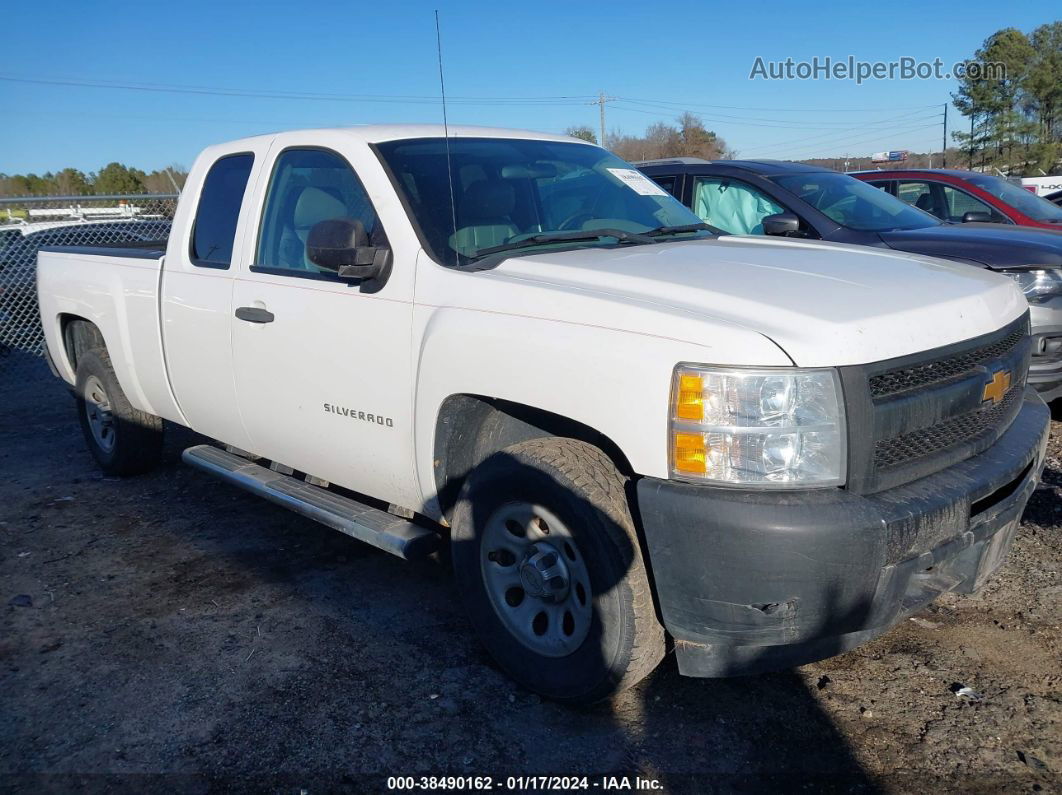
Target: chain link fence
<point x="32" y="222"/>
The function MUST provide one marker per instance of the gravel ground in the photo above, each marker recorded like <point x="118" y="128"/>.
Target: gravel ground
<point x="170" y="624"/>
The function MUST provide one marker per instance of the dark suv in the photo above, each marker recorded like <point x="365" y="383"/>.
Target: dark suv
<point x="769" y="197"/>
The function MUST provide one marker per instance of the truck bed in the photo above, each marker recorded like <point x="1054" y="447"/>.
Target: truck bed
<point x="146" y="249"/>
<point x="116" y="287"/>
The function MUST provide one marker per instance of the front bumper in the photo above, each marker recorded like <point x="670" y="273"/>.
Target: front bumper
<point x="749" y="581"/>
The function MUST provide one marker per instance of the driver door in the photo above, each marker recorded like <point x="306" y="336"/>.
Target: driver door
<point x="322" y="364"/>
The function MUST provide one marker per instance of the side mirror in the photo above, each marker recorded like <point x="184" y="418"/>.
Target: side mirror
<point x="341" y="245"/>
<point x="782" y="225"/>
<point x="976" y="217"/>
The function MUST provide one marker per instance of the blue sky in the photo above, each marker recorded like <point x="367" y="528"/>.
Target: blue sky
<point x="695" y="55"/>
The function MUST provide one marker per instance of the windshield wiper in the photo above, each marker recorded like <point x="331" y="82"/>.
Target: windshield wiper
<point x="678" y="230"/>
<point x="566" y="237"/>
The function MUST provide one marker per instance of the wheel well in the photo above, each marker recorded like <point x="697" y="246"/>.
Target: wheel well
<point x="471" y="427"/>
<point x="79" y="335"/>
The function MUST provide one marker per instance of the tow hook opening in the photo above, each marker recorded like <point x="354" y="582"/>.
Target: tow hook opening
<point x="774" y="608"/>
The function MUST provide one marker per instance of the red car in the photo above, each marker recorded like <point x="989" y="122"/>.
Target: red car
<point x="957" y="196"/>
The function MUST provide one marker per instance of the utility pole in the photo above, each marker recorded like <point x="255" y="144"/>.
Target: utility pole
<point x="601" y="107"/>
<point x="944" y="149"/>
<point x="600" y="102"/>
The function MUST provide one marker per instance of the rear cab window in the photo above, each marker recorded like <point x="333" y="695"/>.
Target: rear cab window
<point x="214" y="229"/>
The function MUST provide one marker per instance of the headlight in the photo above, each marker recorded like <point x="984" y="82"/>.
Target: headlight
<point x="1038" y="284"/>
<point x="767" y="428"/>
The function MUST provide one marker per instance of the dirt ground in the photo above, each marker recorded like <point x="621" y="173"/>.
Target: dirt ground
<point x="172" y="625"/>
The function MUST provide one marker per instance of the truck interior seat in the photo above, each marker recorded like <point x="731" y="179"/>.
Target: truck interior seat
<point x="312" y="206"/>
<point x="484" y="216"/>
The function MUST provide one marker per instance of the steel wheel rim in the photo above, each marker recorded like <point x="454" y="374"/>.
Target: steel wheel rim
<point x="536" y="579"/>
<point x="98" y="412"/>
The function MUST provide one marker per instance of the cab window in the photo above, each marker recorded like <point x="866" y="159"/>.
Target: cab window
<point x="944" y="201"/>
<point x="959" y="202"/>
<point x="309" y="186"/>
<point x="214" y="229"/>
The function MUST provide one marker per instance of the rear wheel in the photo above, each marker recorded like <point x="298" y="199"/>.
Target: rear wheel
<point x="548" y="564"/>
<point x="122" y="439"/>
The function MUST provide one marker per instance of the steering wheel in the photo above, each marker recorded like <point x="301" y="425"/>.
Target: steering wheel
<point x="575" y="221"/>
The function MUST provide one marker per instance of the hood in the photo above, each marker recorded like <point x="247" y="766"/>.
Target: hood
<point x="824" y="304"/>
<point x="992" y="245"/>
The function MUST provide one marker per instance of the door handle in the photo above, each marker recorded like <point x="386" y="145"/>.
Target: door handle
<point x="254" y="314"/>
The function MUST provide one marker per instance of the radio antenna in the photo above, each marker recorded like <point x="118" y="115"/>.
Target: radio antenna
<point x="446" y="136"/>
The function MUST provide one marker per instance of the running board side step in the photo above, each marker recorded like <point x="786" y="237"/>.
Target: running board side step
<point x="383" y="530"/>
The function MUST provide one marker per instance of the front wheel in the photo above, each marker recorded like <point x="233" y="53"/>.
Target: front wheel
<point x="548" y="565"/>
<point x="122" y="439"/>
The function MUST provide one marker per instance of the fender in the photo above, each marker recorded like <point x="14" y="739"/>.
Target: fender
<point x="615" y="382"/>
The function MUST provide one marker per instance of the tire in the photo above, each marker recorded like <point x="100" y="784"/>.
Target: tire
<point x="600" y="634"/>
<point x="122" y="439"/>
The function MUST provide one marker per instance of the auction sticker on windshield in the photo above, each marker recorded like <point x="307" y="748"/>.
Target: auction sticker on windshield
<point x="637" y="181"/>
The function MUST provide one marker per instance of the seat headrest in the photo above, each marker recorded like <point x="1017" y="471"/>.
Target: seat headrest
<point x="925" y="202"/>
<point x="314" y="205"/>
<point x="488" y="199"/>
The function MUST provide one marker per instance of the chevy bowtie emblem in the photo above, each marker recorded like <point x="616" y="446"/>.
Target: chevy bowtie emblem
<point x="996" y="388"/>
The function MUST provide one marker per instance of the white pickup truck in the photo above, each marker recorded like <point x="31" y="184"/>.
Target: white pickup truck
<point x="624" y="426"/>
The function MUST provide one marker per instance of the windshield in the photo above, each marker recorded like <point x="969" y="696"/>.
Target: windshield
<point x="1023" y="201"/>
<point x="517" y="193"/>
<point x="855" y="204"/>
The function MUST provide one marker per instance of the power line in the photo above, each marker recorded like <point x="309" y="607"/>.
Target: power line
<point x="414" y="99"/>
<point x="802" y="147"/>
<point x="781" y="124"/>
<point x="564" y="99"/>
<point x="514" y="101"/>
<point x="794" y="122"/>
<point x="905" y="121"/>
<point x="801" y="150"/>
<point x="884" y="126"/>
<point x="890" y="127"/>
<point x="689" y="106"/>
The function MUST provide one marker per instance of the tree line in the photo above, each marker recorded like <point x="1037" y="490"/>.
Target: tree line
<point x="687" y="137"/>
<point x="1015" y="120"/>
<point x="113" y="178"/>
